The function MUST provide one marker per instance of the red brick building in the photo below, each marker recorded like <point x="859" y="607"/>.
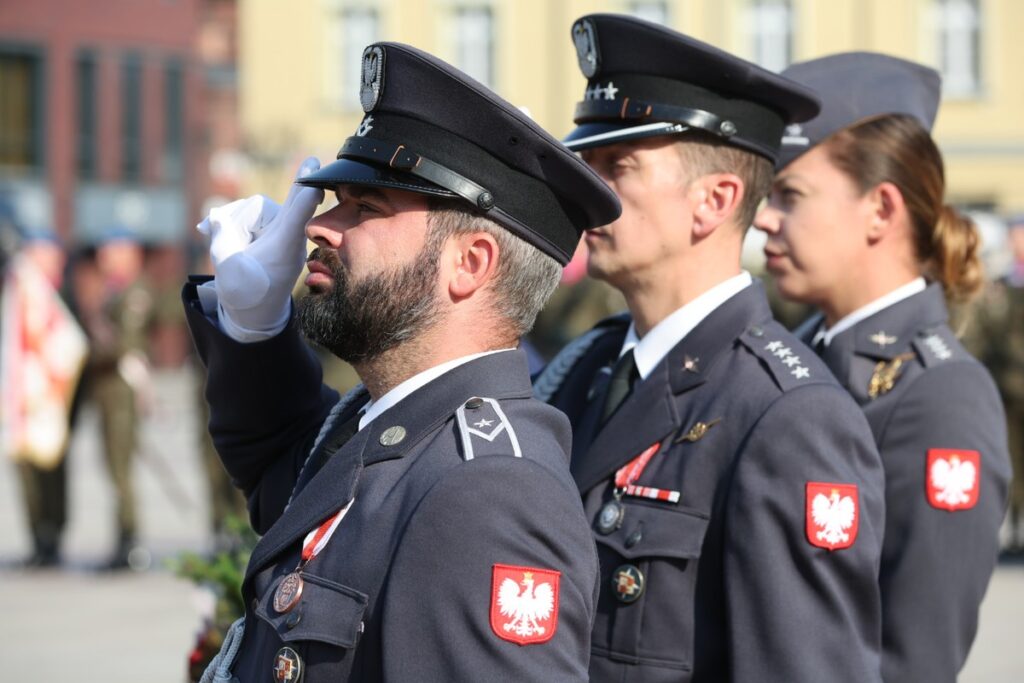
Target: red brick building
<point x="103" y="122"/>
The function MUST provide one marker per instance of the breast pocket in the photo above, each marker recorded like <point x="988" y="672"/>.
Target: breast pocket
<point x="325" y="624"/>
<point x="648" y="571"/>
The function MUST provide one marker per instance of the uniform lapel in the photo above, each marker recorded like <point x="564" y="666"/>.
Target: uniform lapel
<point x="651" y="412"/>
<point x="882" y="337"/>
<point x="500" y="375"/>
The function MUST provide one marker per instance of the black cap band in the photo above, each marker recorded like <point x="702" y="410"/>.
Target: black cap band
<point x="400" y="158"/>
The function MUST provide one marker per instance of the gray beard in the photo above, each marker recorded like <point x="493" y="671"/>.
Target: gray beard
<point x="359" y="321"/>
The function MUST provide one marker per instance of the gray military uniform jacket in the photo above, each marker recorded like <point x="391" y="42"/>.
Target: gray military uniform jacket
<point x="467" y="497"/>
<point x="940" y="427"/>
<point x="733" y="581"/>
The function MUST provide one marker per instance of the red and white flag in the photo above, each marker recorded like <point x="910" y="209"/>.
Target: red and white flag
<point x="42" y="351"/>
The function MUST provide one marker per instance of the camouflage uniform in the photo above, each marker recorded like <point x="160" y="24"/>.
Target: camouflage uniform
<point x="116" y="332"/>
<point x="998" y="339"/>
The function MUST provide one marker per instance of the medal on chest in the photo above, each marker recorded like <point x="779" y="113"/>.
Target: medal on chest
<point x="610" y="518"/>
<point x="289" y="591"/>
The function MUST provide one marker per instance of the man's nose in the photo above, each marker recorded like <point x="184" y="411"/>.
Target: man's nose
<point x="325" y="230"/>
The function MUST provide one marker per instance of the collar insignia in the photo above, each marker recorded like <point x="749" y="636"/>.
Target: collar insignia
<point x="882" y="339"/>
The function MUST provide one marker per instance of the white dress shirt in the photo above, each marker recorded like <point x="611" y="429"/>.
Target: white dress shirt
<point x="374" y="408"/>
<point x="656" y="344"/>
<point x="864" y="312"/>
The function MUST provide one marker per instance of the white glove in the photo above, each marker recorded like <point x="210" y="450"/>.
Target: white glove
<point x="258" y="249"/>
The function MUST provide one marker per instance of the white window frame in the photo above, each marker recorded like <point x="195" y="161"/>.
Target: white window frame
<point x="472" y="54"/>
<point x="344" y="40"/>
<point x="656" y="11"/>
<point x="958" y="39"/>
<point x="771" y="49"/>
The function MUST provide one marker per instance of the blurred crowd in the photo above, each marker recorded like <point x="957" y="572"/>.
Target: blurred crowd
<point x="89" y="324"/>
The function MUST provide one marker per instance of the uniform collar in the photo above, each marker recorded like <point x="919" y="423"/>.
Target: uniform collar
<point x="667" y="334"/>
<point x="902" y="292"/>
<point x="374" y="408"/>
<point x="500" y="375"/>
<point x="653" y="401"/>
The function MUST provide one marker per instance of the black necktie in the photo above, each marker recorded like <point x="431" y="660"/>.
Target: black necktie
<point x="819" y="346"/>
<point x="624" y="375"/>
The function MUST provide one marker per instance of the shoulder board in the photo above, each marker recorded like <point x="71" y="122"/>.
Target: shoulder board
<point x="550" y="379"/>
<point x="485" y="430"/>
<point x="937" y="345"/>
<point x="790" y="363"/>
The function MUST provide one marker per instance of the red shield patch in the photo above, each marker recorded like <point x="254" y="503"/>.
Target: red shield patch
<point x="833" y="515"/>
<point x="952" y="478"/>
<point x="524" y="604"/>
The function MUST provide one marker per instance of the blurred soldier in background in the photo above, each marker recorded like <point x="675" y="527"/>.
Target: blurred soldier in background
<point x="999" y="343"/>
<point x="117" y="325"/>
<point x="43" y="351"/>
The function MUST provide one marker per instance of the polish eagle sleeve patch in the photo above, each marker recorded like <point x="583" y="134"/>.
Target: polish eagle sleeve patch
<point x="524" y="604"/>
<point x="952" y="478"/>
<point x="833" y="515"/>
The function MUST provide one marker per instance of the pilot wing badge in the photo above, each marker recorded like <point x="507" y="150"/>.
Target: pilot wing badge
<point x="832" y="515"/>
<point x="524" y="604"/>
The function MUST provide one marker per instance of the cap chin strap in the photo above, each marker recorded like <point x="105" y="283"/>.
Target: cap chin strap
<point x="402" y="159"/>
<point x="590" y="111"/>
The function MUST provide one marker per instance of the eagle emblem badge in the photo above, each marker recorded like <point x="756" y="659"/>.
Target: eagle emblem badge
<point x="952" y="478"/>
<point x="524" y="604"/>
<point x="832" y="515"/>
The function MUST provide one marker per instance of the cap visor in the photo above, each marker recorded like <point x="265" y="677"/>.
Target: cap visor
<point x="350" y="172"/>
<point x="590" y="135"/>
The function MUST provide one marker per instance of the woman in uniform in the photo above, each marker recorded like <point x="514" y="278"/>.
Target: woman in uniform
<point x="857" y="226"/>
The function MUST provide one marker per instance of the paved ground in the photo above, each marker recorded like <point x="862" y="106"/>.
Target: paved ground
<point x="77" y="625"/>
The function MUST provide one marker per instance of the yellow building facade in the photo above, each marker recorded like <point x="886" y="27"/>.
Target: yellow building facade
<point x="299" y="66"/>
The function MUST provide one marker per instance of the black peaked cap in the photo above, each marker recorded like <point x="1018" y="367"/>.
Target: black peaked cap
<point x="431" y="129"/>
<point x="645" y="80"/>
<point x="855" y="87"/>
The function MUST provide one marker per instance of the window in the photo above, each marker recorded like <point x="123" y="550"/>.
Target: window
<point x="131" y="118"/>
<point x="958" y="28"/>
<point x="174" y="120"/>
<point x="656" y="12"/>
<point x="474" y="43"/>
<point x="349" y="31"/>
<point x="21" y="110"/>
<point x="85" y="91"/>
<point x="770" y="31"/>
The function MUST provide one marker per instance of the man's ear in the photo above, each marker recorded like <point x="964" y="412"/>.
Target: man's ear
<point x="472" y="261"/>
<point x="888" y="211"/>
<point x="715" y="197"/>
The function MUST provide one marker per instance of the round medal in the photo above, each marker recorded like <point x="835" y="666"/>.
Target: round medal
<point x="628" y="583"/>
<point x="610" y="517"/>
<point x="288" y="592"/>
<point x="287" y="666"/>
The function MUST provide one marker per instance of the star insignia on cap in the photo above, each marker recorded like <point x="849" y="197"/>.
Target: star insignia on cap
<point x="882" y="339"/>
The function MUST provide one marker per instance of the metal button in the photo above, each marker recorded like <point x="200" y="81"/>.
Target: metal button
<point x="756" y="331"/>
<point x="635" y="537"/>
<point x="392" y="436"/>
<point x="474" y="403"/>
<point x="293" y="619"/>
